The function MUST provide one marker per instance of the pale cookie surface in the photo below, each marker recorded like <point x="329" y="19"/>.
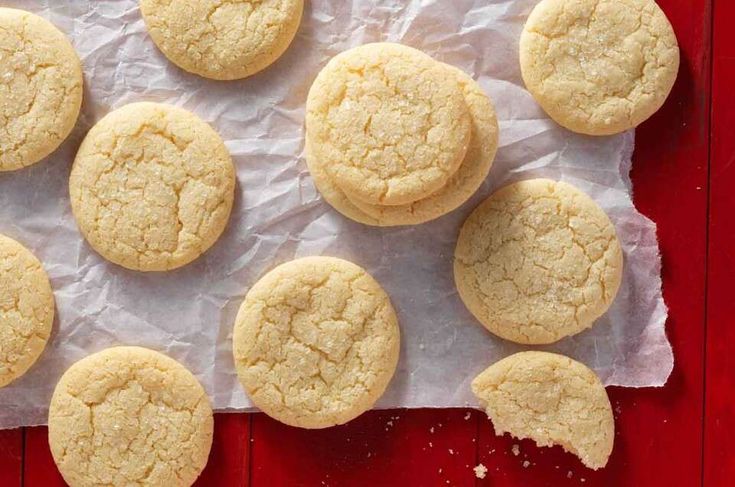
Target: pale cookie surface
<point x="222" y="39"/>
<point x="26" y="310"/>
<point x="152" y="187"/>
<point x="387" y="123"/>
<point x="468" y="178"/>
<point x="129" y="416"/>
<point x="316" y="342"/>
<point x="538" y="261"/>
<point x="599" y="67"/>
<point x="331" y="193"/>
<point x="552" y="400"/>
<point x="40" y="88"/>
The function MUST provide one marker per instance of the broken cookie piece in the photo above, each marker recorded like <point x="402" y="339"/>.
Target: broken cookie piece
<point x="552" y="400"/>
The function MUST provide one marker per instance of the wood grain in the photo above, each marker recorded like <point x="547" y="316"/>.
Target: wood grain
<point x="719" y="461"/>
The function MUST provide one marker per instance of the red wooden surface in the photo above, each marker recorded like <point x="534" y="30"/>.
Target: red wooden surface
<point x="431" y="447"/>
<point x="660" y="432"/>
<point x="719" y="465"/>
<point x="39" y="468"/>
<point x="229" y="460"/>
<point x="11" y="457"/>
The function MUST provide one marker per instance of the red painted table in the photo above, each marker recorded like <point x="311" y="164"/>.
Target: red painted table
<point x="684" y="179"/>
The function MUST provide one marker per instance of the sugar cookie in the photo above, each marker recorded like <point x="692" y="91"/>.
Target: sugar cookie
<point x="26" y="310"/>
<point x="468" y="178"/>
<point x="552" y="400"/>
<point x="222" y="39"/>
<point x="40" y="88"/>
<point x="331" y="193"/>
<point x="152" y="187"/>
<point x="129" y="416"/>
<point x="599" y="67"/>
<point x="316" y="342"/>
<point x="387" y="123"/>
<point x="538" y="261"/>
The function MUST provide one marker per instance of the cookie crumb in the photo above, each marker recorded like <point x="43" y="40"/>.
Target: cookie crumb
<point x="516" y="450"/>
<point x="480" y="471"/>
<point x="569" y="474"/>
<point x="526" y="463"/>
<point x="467" y="416"/>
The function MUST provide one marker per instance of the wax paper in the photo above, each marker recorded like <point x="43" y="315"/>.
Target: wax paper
<point x="278" y="214"/>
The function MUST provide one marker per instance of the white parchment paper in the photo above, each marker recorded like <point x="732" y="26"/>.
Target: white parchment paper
<point x="279" y="215"/>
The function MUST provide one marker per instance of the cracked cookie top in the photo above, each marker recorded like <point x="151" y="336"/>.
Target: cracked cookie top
<point x="40" y="88"/>
<point x="538" y="261"/>
<point x="26" y="310"/>
<point x="129" y="416"/>
<point x="468" y="178"/>
<point x="222" y="39"/>
<point x="599" y="67"/>
<point x="316" y="342"/>
<point x="387" y="123"/>
<point x="152" y="187"/>
<point x="552" y="400"/>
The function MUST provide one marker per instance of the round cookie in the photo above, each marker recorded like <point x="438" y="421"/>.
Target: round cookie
<point x="316" y="342"/>
<point x="552" y="400"/>
<point x="538" y="261"/>
<point x="26" y="310"/>
<point x="387" y="123"/>
<point x="129" y="416"/>
<point x="152" y="187"/>
<point x="222" y="39"/>
<point x="599" y="67"/>
<point x="40" y="88"/>
<point x="331" y="193"/>
<point x="468" y="178"/>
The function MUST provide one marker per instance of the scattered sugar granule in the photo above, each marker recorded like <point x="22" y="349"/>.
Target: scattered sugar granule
<point x="467" y="416"/>
<point x="451" y="452"/>
<point x="389" y="423"/>
<point x="583" y="479"/>
<point x="526" y="463"/>
<point x="431" y="444"/>
<point x="569" y="474"/>
<point x="431" y="430"/>
<point x="480" y="471"/>
<point x="516" y="450"/>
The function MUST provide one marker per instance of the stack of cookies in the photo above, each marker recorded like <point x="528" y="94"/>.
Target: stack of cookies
<point x="394" y="137"/>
